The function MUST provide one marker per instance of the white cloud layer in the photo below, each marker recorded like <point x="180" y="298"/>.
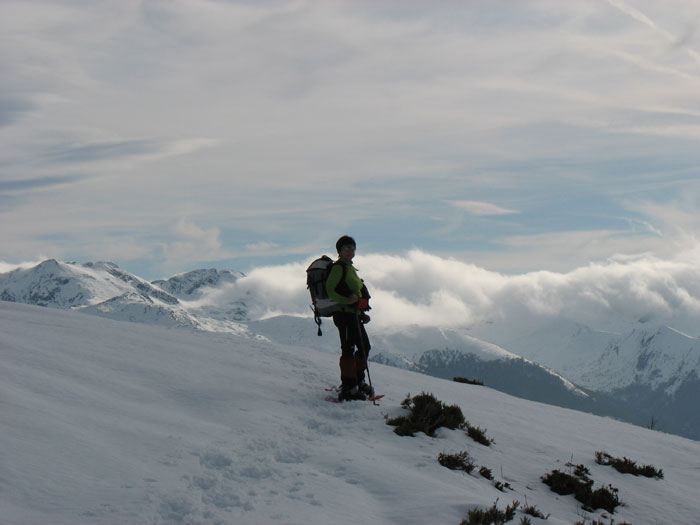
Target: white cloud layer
<point x="8" y="267"/>
<point x="423" y="289"/>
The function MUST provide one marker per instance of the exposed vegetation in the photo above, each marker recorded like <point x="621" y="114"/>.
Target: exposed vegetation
<point x="581" y="486"/>
<point x="534" y="512"/>
<point x="486" y="472"/>
<point x="468" y="381"/>
<point x="627" y="466"/>
<point x="478" y="434"/>
<point x="492" y="516"/>
<point x="460" y="461"/>
<point x="427" y="414"/>
<point x="500" y="485"/>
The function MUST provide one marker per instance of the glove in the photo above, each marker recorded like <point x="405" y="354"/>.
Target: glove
<point x="363" y="304"/>
<point x="364" y="318"/>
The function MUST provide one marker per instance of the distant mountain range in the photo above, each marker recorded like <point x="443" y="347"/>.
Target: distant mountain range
<point x="104" y="289"/>
<point x="648" y="376"/>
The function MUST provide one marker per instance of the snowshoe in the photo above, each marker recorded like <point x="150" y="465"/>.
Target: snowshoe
<point x="351" y="394"/>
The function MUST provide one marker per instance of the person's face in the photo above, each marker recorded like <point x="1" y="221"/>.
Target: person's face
<point x="347" y="251"/>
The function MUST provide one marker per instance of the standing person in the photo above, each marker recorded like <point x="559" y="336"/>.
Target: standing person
<point x="344" y="286"/>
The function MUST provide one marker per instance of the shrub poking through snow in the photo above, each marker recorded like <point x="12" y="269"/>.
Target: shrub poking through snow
<point x="502" y="486"/>
<point x="486" y="472"/>
<point x="581" y="486"/>
<point x="460" y="461"/>
<point x="427" y="414"/>
<point x="627" y="466"/>
<point x="468" y="381"/>
<point x="478" y="434"/>
<point x="534" y="512"/>
<point x="492" y="516"/>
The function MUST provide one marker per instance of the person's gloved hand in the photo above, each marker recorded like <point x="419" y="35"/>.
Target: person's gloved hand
<point x="363" y="304"/>
<point x="364" y="318"/>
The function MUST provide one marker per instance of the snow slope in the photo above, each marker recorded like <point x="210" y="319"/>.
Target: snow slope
<point x="108" y="422"/>
<point x="647" y="373"/>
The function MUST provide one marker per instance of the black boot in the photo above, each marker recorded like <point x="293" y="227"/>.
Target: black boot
<point x="365" y="389"/>
<point x="351" y="393"/>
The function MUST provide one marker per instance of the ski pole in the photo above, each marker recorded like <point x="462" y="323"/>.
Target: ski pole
<point x="361" y="343"/>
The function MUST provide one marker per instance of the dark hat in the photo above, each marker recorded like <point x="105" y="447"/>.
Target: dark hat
<point x="344" y="241"/>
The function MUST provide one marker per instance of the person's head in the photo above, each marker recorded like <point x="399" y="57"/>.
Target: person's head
<point x="346" y="247"/>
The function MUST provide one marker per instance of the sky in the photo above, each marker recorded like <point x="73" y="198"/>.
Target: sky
<point x="516" y="136"/>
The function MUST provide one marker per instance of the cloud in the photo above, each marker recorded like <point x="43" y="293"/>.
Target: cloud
<point x="427" y="290"/>
<point x="8" y="267"/>
<point x="672" y="39"/>
<point x="262" y="247"/>
<point x="606" y="295"/>
<point x="280" y="125"/>
<point x="123" y="150"/>
<point x="37" y="182"/>
<point x="12" y="109"/>
<point x="480" y="208"/>
<point x="676" y="222"/>
<point x="191" y="242"/>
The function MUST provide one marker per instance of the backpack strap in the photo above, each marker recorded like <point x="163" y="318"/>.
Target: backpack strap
<point x="342" y="285"/>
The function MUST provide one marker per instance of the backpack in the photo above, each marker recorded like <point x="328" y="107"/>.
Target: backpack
<point x="316" y="276"/>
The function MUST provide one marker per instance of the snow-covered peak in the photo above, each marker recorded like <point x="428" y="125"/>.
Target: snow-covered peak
<point x="659" y="358"/>
<point x="417" y="339"/>
<point x="59" y="284"/>
<point x="103" y="288"/>
<point x="191" y="285"/>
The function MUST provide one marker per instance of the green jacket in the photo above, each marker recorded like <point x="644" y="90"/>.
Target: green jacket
<point x="353" y="284"/>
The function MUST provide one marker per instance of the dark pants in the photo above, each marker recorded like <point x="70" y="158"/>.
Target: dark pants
<point x="354" y="345"/>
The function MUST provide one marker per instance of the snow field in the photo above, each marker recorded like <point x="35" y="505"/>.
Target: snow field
<point x="107" y="422"/>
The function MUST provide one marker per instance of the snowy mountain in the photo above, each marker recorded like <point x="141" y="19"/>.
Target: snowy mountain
<point x="108" y="422"/>
<point x="69" y="285"/>
<point x="657" y="375"/>
<point x="193" y="285"/>
<point x="647" y="357"/>
<point x="637" y="376"/>
<point x="106" y="290"/>
<point x="565" y="346"/>
<point x="642" y="375"/>
<point x="604" y="361"/>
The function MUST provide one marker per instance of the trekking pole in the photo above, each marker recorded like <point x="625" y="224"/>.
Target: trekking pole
<point x="361" y="342"/>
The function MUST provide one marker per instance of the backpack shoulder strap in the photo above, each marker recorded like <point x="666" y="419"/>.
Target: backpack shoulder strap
<point x="342" y="286"/>
<point x="343" y="267"/>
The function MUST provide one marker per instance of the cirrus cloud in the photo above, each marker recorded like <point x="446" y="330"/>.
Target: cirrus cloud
<point x="481" y="208"/>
